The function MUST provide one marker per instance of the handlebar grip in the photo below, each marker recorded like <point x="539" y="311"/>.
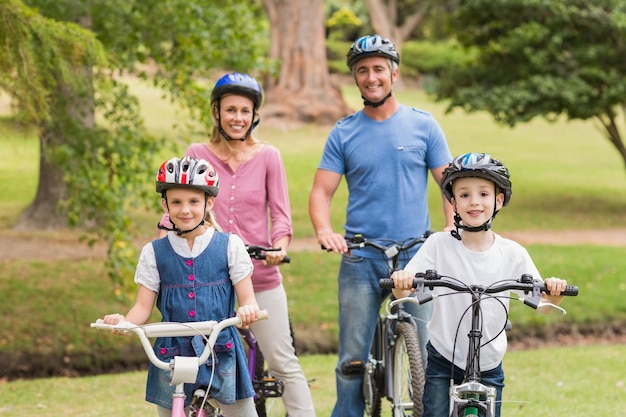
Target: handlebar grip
<point x="286" y="260"/>
<point x="386" y="283"/>
<point x="263" y="314"/>
<point x="570" y="291"/>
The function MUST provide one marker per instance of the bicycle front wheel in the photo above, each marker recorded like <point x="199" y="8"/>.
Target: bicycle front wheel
<point x="408" y="373"/>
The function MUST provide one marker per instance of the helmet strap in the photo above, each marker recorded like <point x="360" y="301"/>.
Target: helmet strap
<point x="255" y="117"/>
<point x="482" y="228"/>
<point x="378" y="103"/>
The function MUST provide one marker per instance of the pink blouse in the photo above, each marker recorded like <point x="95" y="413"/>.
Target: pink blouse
<point x="253" y="203"/>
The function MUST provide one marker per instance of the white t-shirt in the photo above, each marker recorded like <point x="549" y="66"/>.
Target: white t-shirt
<point x="448" y="256"/>
<point x="239" y="263"/>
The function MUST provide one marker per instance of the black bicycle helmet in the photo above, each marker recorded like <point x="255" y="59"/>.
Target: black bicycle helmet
<point x="375" y="45"/>
<point x="238" y="83"/>
<point x="187" y="172"/>
<point x="477" y="165"/>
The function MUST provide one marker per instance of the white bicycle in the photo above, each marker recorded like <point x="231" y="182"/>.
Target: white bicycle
<point x="184" y="369"/>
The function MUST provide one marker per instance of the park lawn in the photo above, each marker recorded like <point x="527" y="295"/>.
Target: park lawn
<point x="47" y="305"/>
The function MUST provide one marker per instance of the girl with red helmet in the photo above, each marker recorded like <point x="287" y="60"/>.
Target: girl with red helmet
<point x="195" y="273"/>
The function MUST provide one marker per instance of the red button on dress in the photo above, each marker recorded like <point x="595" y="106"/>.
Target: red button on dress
<point x="192" y="295"/>
<point x="192" y="313"/>
<point x="191" y="277"/>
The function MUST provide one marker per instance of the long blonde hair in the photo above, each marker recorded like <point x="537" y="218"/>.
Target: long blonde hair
<point x="209" y="217"/>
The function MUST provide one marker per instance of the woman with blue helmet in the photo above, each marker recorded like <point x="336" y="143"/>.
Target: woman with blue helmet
<point x="256" y="208"/>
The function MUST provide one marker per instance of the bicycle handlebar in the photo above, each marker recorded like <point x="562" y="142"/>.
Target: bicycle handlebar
<point x="526" y="283"/>
<point x="359" y="242"/>
<point x="256" y="252"/>
<point x="209" y="328"/>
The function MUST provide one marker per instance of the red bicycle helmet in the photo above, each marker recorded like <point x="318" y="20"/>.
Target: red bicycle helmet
<point x="375" y="45"/>
<point x="187" y="172"/>
<point x="477" y="165"/>
<point x="238" y="83"/>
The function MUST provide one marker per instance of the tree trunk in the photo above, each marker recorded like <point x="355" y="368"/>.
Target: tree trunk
<point x="71" y="112"/>
<point x="303" y="90"/>
<point x="44" y="212"/>
<point x="384" y="16"/>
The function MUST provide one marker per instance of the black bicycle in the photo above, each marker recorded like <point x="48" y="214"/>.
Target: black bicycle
<point x="394" y="367"/>
<point x="471" y="397"/>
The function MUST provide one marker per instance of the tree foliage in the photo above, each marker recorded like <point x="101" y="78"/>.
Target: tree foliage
<point x="63" y="62"/>
<point x="542" y="58"/>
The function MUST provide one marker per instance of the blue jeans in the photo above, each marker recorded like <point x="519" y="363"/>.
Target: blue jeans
<point x="360" y="298"/>
<point x="436" y="397"/>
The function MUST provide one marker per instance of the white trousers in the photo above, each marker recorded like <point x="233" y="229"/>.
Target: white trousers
<point x="274" y="338"/>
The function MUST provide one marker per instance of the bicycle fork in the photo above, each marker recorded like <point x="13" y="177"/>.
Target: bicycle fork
<point x="465" y="400"/>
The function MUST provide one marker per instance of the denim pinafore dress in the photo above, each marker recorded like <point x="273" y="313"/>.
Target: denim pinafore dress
<point x="198" y="289"/>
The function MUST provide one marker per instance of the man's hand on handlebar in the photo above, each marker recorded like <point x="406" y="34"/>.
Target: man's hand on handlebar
<point x="332" y="242"/>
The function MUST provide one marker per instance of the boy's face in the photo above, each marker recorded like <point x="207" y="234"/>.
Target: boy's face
<point x="186" y="206"/>
<point x="475" y="200"/>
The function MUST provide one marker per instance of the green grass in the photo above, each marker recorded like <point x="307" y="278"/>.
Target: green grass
<point x="565" y="176"/>
<point x="541" y="383"/>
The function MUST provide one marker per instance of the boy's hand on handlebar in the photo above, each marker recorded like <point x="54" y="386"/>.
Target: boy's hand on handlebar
<point x="403" y="280"/>
<point x="248" y="315"/>
<point x="403" y="283"/>
<point x="332" y="242"/>
<point x="555" y="286"/>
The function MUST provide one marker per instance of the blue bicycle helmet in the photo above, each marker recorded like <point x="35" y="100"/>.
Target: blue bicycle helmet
<point x="238" y="83"/>
<point x="480" y="165"/>
<point x="375" y="45"/>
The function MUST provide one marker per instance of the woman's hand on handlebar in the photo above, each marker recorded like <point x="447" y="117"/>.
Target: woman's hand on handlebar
<point x="332" y="242"/>
<point x="274" y="257"/>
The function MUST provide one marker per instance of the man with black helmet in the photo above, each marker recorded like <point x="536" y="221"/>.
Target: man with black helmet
<point x="385" y="151"/>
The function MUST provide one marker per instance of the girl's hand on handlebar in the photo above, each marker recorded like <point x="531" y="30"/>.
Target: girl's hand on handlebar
<point x="114" y="319"/>
<point x="248" y="315"/>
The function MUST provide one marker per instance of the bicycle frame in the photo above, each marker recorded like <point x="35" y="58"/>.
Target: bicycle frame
<point x="184" y="369"/>
<point x="394" y="366"/>
<point x="471" y="397"/>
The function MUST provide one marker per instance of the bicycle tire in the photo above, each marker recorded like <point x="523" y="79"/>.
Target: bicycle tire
<point x="408" y="373"/>
<point x="373" y="374"/>
<point x="259" y="375"/>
